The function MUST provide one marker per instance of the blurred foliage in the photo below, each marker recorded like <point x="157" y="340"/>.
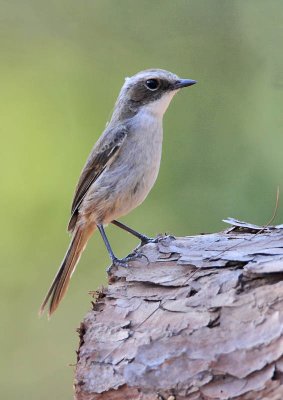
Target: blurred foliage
<point x="62" y="65"/>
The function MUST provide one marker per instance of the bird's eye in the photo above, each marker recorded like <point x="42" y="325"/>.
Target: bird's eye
<point x="152" y="84"/>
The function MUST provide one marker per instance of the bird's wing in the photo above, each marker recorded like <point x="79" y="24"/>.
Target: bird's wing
<point x="103" y="154"/>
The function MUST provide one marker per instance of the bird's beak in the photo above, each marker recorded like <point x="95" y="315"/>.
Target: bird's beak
<point x="181" y="83"/>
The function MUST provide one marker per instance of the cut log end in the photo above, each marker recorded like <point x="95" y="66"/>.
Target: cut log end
<point x="199" y="317"/>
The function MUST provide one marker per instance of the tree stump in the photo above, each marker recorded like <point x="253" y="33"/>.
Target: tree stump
<point x="198" y="317"/>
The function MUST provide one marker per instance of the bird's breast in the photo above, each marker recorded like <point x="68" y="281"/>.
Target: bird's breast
<point x="137" y="165"/>
<point x="126" y="182"/>
<point x="146" y="141"/>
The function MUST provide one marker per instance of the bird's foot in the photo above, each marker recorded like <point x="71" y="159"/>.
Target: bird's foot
<point x="124" y="262"/>
<point x="120" y="262"/>
<point x="145" y="240"/>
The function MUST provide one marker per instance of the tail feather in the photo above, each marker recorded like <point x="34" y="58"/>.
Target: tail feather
<point x="61" y="281"/>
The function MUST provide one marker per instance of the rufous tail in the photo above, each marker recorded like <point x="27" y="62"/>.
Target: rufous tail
<point x="62" y="279"/>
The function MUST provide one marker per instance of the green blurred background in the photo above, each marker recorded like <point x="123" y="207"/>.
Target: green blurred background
<point x="62" y="65"/>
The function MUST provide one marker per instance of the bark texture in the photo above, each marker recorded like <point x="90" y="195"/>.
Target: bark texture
<point x="199" y="317"/>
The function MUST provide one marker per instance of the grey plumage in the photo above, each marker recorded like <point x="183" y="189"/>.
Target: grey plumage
<point x="121" y="168"/>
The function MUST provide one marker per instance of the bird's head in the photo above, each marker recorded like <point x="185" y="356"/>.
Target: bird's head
<point x="152" y="89"/>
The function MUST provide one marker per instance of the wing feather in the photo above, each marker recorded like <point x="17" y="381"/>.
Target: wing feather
<point x="103" y="153"/>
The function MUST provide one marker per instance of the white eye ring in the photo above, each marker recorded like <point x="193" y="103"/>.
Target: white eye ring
<point x="152" y="84"/>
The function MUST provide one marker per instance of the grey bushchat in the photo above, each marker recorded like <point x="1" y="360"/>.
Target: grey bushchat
<point x="120" y="170"/>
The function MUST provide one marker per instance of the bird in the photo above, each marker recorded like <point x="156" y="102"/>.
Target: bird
<point x="120" y="170"/>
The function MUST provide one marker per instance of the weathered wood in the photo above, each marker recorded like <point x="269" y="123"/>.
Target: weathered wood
<point x="199" y="317"/>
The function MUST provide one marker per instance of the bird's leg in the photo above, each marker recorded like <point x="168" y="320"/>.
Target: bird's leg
<point x="123" y="262"/>
<point x="143" y="238"/>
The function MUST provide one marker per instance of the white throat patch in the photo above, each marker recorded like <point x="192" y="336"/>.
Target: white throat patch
<point x="158" y="107"/>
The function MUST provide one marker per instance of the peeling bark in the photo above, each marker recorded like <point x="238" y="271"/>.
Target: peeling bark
<point x="199" y="317"/>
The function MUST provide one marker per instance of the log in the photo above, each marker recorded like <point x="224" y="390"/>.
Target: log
<point x="198" y="317"/>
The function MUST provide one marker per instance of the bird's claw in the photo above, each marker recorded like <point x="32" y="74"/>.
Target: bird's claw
<point x="136" y="255"/>
<point x="120" y="262"/>
<point x="124" y="262"/>
<point x="145" y="240"/>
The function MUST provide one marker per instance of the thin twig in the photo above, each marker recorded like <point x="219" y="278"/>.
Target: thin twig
<point x="273" y="215"/>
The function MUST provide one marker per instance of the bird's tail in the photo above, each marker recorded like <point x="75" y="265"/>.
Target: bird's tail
<point x="62" y="278"/>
